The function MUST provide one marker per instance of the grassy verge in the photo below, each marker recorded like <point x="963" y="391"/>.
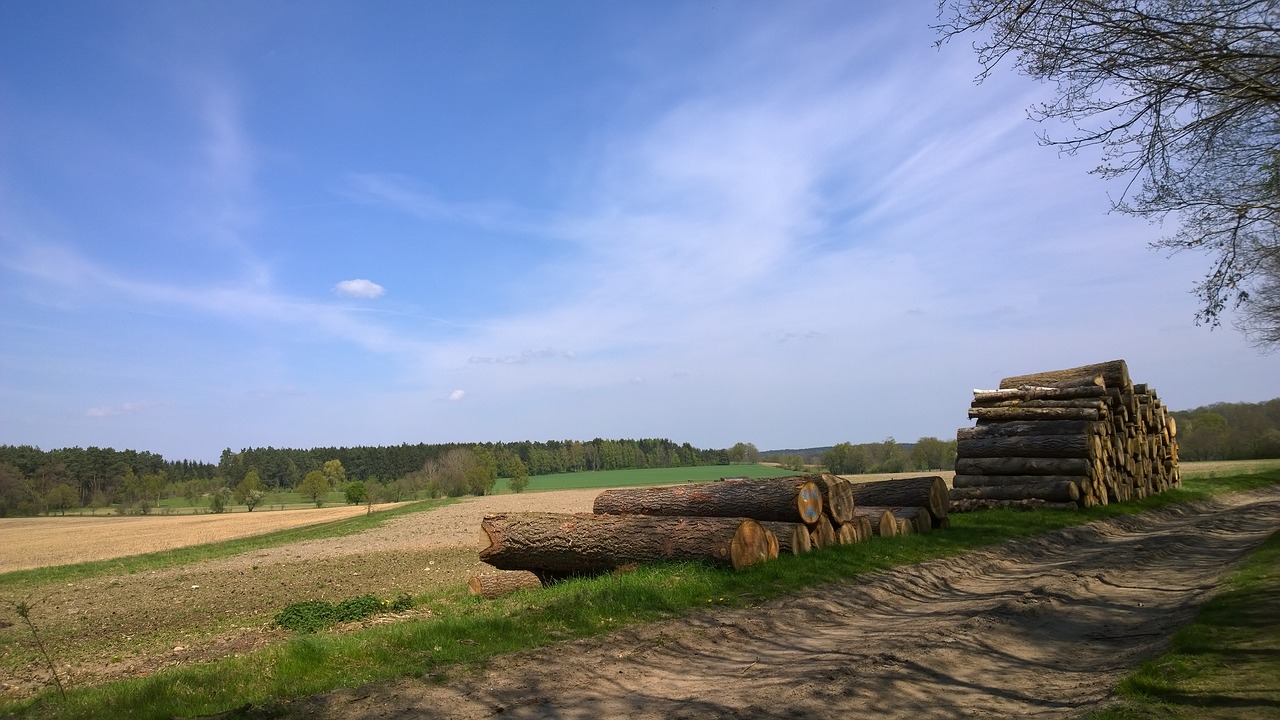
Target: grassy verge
<point x="211" y="551"/>
<point x="464" y="630"/>
<point x="1226" y="664"/>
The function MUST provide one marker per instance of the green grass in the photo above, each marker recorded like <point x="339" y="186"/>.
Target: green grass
<point x="1225" y="664"/>
<point x="211" y="551"/>
<point x="464" y="630"/>
<point x="644" y="476"/>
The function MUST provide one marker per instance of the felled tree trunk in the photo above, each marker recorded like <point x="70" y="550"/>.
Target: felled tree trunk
<point x="790" y="499"/>
<point x="502" y="582"/>
<point x="823" y="533"/>
<point x="882" y="521"/>
<point x="837" y="498"/>
<point x="1025" y="428"/>
<point x="565" y="544"/>
<point x="1048" y="446"/>
<point x="1023" y="466"/>
<point x="1002" y="414"/>
<point x="1028" y="504"/>
<point x="967" y="481"/>
<point x="928" y="491"/>
<point x="1115" y="373"/>
<point x="792" y="537"/>
<point x="1058" y="491"/>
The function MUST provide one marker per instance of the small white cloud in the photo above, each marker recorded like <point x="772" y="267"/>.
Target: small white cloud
<point x="110" y="410"/>
<point x="457" y="395"/>
<point x="359" y="288"/>
<point x="636" y="380"/>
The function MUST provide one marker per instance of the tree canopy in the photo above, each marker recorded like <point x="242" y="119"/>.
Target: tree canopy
<point x="1183" y="99"/>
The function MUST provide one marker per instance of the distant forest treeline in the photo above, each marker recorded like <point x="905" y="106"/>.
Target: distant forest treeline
<point x="1230" y="431"/>
<point x="34" y="480"/>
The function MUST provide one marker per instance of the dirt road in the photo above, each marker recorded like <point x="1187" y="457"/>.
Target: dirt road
<point x="1035" y="629"/>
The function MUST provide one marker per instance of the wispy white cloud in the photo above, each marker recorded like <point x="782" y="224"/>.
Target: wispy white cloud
<point x="457" y="395"/>
<point x="359" y="288"/>
<point x="102" y="411"/>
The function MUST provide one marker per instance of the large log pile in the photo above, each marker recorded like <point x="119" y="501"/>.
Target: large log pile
<point x="735" y="522"/>
<point x="1086" y="435"/>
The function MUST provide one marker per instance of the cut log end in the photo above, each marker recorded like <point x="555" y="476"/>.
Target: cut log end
<point x="502" y="582"/>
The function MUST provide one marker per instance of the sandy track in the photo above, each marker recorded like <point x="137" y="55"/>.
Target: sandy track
<point x="1038" y="628"/>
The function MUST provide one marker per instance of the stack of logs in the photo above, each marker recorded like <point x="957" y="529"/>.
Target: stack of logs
<point x="737" y="522"/>
<point x="1067" y="438"/>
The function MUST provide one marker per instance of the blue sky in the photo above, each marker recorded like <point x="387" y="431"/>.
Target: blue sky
<point x="235" y="224"/>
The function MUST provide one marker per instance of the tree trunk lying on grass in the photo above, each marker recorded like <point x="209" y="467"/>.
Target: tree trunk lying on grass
<point x="789" y="499"/>
<point x="1053" y="491"/>
<point x="581" y="543"/>
<point x="928" y="491"/>
<point x="502" y="582"/>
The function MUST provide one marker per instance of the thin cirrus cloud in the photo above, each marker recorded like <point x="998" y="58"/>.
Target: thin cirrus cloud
<point x="359" y="288"/>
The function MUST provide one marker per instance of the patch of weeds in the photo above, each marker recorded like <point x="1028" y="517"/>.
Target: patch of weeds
<point x="311" y="616"/>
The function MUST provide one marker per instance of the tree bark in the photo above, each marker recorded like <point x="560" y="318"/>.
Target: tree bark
<point x="1045" y="446"/>
<point x="1004" y="414"/>
<point x="792" y="537"/>
<point x="967" y="481"/>
<point x="503" y="582"/>
<point x="1028" y="504"/>
<point x="1024" y="428"/>
<point x="1115" y="373"/>
<point x="564" y="544"/>
<point x="1024" y="466"/>
<point x="1029" y="392"/>
<point x="1059" y="491"/>
<point x="929" y="491"/>
<point x="790" y="499"/>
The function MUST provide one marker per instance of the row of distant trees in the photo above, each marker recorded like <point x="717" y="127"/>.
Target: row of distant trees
<point x="889" y="456"/>
<point x="35" y="481"/>
<point x="1230" y="431"/>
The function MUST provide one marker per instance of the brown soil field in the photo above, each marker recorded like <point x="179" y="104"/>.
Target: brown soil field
<point x="33" y="542"/>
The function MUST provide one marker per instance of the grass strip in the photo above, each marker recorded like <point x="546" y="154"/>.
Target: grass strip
<point x="463" y="630"/>
<point x="1225" y="664"/>
<point x="211" y="551"/>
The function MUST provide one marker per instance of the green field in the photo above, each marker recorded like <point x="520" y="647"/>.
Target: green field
<point x="644" y="476"/>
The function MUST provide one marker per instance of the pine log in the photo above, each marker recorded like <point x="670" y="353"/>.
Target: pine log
<point x="1030" y="392"/>
<point x="966" y="481"/>
<point x="1023" y="466"/>
<point x="1115" y="373"/>
<point x="502" y="582"/>
<point x="837" y="498"/>
<point x="1023" y="428"/>
<point x="1083" y="403"/>
<point x="792" y="538"/>
<point x="1028" y="504"/>
<point x="1006" y="414"/>
<point x="919" y="518"/>
<point x="789" y="499"/>
<point x="581" y="543"/>
<point x="1047" y="446"/>
<point x="1060" y="491"/>
<point x="928" y="491"/>
<point x="882" y="520"/>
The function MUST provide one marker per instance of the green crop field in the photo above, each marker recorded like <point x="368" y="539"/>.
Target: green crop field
<point x="644" y="476"/>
